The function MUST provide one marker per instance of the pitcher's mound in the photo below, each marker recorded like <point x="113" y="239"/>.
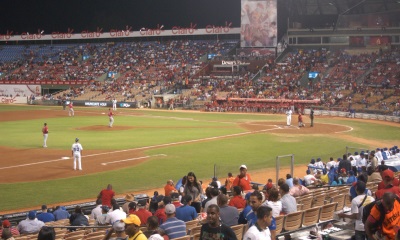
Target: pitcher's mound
<point x="104" y="128"/>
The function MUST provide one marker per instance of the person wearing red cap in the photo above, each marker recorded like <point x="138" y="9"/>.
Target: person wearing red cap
<point x="387" y="177"/>
<point x="7" y="224"/>
<point x="243" y="179"/>
<point x="395" y="181"/>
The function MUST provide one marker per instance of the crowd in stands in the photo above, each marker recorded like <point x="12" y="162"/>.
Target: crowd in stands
<point x="139" y="70"/>
<point x="188" y="209"/>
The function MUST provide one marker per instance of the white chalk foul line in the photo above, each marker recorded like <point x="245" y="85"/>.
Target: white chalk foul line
<point x="134" y="159"/>
<point x="146" y="147"/>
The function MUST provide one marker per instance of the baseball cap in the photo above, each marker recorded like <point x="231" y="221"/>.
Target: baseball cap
<point x="170" y="209"/>
<point x="132" y="219"/>
<point x="141" y="203"/>
<point x="388" y="173"/>
<point x="343" y="170"/>
<point x="76" y="139"/>
<point x="32" y="215"/>
<point x="105" y="208"/>
<point x="6" y="224"/>
<point x="119" y="226"/>
<point x="174" y="196"/>
<point x="242" y="166"/>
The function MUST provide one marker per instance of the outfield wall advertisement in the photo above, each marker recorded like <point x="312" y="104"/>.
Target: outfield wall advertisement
<point x="20" y="90"/>
<point x="13" y="100"/>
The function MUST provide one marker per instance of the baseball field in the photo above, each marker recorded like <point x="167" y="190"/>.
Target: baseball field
<point x="145" y="148"/>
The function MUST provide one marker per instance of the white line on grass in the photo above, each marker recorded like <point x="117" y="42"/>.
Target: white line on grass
<point x="147" y="147"/>
<point x="134" y="159"/>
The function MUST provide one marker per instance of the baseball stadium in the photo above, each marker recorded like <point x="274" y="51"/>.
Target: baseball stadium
<point x="260" y="83"/>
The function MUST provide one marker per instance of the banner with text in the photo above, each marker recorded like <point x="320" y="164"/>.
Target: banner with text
<point x="20" y="90"/>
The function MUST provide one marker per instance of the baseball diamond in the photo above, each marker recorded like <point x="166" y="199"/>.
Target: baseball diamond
<point x="146" y="147"/>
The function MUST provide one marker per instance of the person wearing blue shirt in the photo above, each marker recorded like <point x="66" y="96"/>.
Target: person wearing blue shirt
<point x="45" y="216"/>
<point x="186" y="212"/>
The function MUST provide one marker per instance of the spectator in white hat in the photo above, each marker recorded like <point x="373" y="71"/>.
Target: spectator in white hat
<point x="243" y="180"/>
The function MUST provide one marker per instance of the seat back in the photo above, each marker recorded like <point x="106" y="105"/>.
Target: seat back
<point x="238" y="230"/>
<point x="195" y="236"/>
<point x="191" y="224"/>
<point x="318" y="200"/>
<point x="187" y="237"/>
<point x="327" y="212"/>
<point x="339" y="199"/>
<point x="306" y="202"/>
<point x="310" y="216"/>
<point x="279" y="223"/>
<point x="292" y="221"/>
<point x="195" y="230"/>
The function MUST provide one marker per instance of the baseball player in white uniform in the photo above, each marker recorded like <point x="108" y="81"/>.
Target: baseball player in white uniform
<point x="76" y="153"/>
<point x="114" y="102"/>
<point x="289" y="117"/>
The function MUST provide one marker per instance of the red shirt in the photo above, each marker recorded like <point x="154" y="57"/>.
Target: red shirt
<point x="237" y="202"/>
<point x="395" y="182"/>
<point x="106" y="196"/>
<point x="160" y="214"/>
<point x="45" y="130"/>
<point x="168" y="189"/>
<point x="143" y="215"/>
<point x="70" y="105"/>
<point x="110" y="114"/>
<point x="14" y="231"/>
<point x="394" y="189"/>
<point x="244" y="182"/>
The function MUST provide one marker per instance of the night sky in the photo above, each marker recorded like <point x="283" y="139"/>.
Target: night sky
<point x="59" y="15"/>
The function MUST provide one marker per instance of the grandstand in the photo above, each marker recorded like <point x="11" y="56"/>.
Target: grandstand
<point x="356" y="61"/>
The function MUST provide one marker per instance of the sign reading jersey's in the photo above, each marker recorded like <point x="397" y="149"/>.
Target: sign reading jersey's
<point x="258" y="23"/>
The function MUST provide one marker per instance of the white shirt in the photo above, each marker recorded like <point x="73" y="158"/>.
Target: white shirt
<point x="359" y="226"/>
<point x="77" y="148"/>
<point x="254" y="234"/>
<point x="115" y="215"/>
<point x="329" y="165"/>
<point x="276" y="207"/>
<point x="96" y="212"/>
<point x="309" y="179"/>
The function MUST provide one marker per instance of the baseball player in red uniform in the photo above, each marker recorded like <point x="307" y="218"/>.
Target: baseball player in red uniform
<point x="111" y="118"/>
<point x="300" y="120"/>
<point x="71" y="109"/>
<point x="45" y="131"/>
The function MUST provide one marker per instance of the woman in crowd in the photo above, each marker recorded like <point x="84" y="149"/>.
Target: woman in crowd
<point x="274" y="202"/>
<point x="193" y="188"/>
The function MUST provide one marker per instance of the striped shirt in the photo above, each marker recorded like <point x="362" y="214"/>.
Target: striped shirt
<point x="174" y="228"/>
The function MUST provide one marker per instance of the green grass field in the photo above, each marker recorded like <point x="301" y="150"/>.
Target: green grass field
<point x="257" y="151"/>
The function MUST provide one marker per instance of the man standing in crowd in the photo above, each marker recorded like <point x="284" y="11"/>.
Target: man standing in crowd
<point x="391" y="222"/>
<point x="243" y="179"/>
<point x="169" y="188"/>
<point x="77" y="153"/>
<point x="214" y="228"/>
<point x="260" y="229"/>
<point x="45" y="131"/>
<point x="142" y="212"/>
<point x="357" y="206"/>
<point x="106" y="195"/>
